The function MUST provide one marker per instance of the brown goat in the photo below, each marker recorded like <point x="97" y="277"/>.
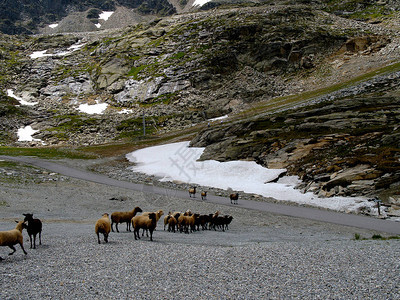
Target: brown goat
<point x="187" y="222"/>
<point x="234" y="198"/>
<point x="12" y="237"/>
<point x="158" y="213"/>
<point x="172" y="223"/>
<point x="103" y="226"/>
<point x="145" y="222"/>
<point x="192" y="191"/>
<point x="124" y="217"/>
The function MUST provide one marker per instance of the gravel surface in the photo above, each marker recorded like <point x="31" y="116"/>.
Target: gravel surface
<point x="262" y="255"/>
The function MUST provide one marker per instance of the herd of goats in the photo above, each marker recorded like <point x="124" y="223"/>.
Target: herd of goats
<point x="186" y="222"/>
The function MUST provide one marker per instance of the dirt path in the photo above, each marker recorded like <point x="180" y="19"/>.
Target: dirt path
<point x="357" y="221"/>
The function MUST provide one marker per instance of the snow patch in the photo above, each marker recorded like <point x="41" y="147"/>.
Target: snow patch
<point x="72" y="48"/>
<point x="10" y="93"/>
<point x="218" y="118"/>
<point x="178" y="161"/>
<point x="91" y="109"/>
<point x="105" y="15"/>
<point x="200" y="2"/>
<point x="126" y="111"/>
<point x="25" y="134"/>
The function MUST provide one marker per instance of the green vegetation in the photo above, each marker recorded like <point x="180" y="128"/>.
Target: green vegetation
<point x="357" y="236"/>
<point x="134" y="72"/>
<point x="356" y="9"/>
<point x="178" y="55"/>
<point x="65" y="71"/>
<point x="162" y="99"/>
<point x="284" y="102"/>
<point x="46" y="152"/>
<point x="133" y="128"/>
<point x="72" y="123"/>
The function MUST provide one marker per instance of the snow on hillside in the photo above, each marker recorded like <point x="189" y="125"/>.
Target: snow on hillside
<point x="200" y="2"/>
<point x="177" y="161"/>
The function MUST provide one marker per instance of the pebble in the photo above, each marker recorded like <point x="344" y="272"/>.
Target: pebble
<point x="72" y="265"/>
<point x="261" y="256"/>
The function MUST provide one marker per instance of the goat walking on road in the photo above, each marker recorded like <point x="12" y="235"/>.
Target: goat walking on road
<point x="192" y="191"/>
<point x="234" y="198"/>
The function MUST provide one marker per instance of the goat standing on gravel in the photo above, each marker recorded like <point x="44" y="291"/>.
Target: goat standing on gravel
<point x="34" y="227"/>
<point x="12" y="237"/>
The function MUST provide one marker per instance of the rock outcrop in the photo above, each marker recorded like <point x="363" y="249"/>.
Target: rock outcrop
<point x="343" y="147"/>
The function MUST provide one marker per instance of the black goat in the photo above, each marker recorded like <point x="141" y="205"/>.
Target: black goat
<point x="34" y="227"/>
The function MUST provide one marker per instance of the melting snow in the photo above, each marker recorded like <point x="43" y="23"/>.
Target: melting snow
<point x="38" y="54"/>
<point x="10" y="93"/>
<point x="105" y="15"/>
<point x="179" y="162"/>
<point x="91" y="109"/>
<point x="217" y="119"/>
<point x="200" y="2"/>
<point x="25" y="134"/>
<point x="126" y="111"/>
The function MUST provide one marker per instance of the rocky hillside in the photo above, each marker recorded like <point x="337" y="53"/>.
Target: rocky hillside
<point x="30" y="16"/>
<point x="251" y="62"/>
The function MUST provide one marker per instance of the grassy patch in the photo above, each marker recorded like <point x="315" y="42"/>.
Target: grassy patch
<point x="360" y="10"/>
<point x="357" y="236"/>
<point x="178" y="55"/>
<point x="286" y="102"/>
<point x="162" y="99"/>
<point x="112" y="150"/>
<point x="8" y="164"/>
<point x="72" y="123"/>
<point x="134" y="72"/>
<point x="46" y="152"/>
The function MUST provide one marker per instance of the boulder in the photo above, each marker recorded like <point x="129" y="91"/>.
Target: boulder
<point x="360" y="174"/>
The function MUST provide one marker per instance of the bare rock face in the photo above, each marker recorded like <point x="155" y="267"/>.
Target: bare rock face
<point x="360" y="158"/>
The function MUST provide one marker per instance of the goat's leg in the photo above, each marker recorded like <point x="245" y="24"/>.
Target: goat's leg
<point x="12" y="248"/>
<point x="22" y="247"/>
<point x="40" y="237"/>
<point x="34" y="241"/>
<point x="112" y="228"/>
<point x="116" y="226"/>
<point x="98" y="238"/>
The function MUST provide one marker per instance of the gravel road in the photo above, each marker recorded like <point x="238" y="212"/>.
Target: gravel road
<point x="262" y="255"/>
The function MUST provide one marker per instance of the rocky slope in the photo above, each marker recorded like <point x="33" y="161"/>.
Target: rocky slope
<point x="32" y="16"/>
<point x="185" y="69"/>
